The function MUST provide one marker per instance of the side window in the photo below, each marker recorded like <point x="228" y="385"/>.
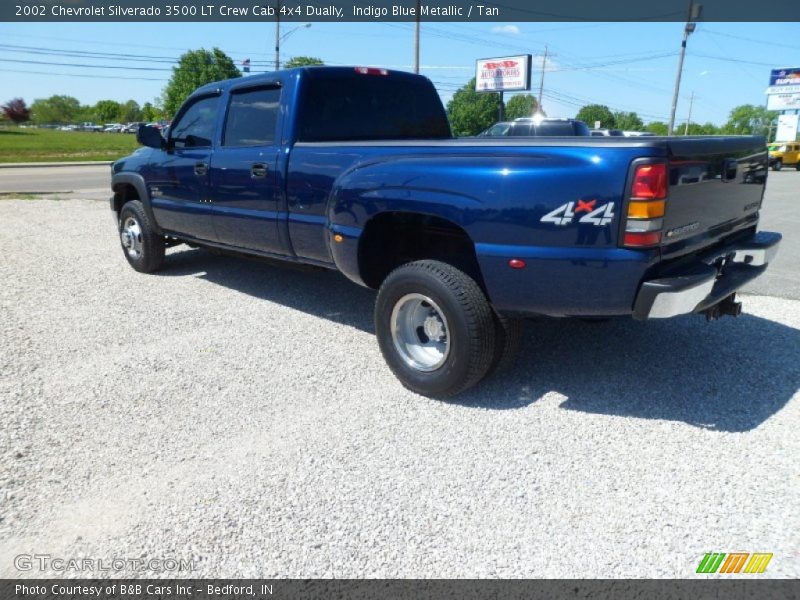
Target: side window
<point x="252" y="117"/>
<point x="195" y="128"/>
<point x="520" y="129"/>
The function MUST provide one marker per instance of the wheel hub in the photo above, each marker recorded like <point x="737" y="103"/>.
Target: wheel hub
<point x="131" y="237"/>
<point x="420" y="332"/>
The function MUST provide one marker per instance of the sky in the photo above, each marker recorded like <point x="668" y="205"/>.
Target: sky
<point x="626" y="66"/>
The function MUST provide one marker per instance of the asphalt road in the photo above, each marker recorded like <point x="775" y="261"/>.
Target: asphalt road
<point x="239" y="415"/>
<point x="84" y="181"/>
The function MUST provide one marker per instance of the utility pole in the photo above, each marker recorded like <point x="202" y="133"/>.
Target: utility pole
<point x="693" y="14"/>
<point x="416" y="41"/>
<point x="689" y="118"/>
<point x="277" y="35"/>
<point x="541" y="82"/>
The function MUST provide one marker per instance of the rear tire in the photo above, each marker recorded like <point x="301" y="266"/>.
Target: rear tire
<point x="507" y="338"/>
<point x="142" y="246"/>
<point x="797" y="166"/>
<point x="435" y="328"/>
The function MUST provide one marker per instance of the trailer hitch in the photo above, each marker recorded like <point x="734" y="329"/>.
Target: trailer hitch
<point x="726" y="306"/>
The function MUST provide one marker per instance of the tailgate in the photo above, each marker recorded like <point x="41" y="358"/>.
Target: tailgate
<point x="715" y="188"/>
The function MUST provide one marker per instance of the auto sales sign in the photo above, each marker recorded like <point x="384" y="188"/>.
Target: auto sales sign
<point x="509" y="73"/>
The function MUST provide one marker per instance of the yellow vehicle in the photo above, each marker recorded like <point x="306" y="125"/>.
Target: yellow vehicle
<point x="784" y="154"/>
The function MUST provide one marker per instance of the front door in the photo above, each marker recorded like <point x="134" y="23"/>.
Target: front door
<point x="245" y="184"/>
<point x="179" y="181"/>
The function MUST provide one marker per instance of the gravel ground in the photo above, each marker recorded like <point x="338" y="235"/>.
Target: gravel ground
<point x="240" y="415"/>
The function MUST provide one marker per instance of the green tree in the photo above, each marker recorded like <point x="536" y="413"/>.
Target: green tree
<point x="196" y="68"/>
<point x="55" y="109"/>
<point x="150" y="112"/>
<point x="16" y="110"/>
<point x="302" y="61"/>
<point x="748" y="120"/>
<point x="107" y="110"/>
<point x="521" y="105"/>
<point x="657" y="128"/>
<point x="699" y="129"/>
<point x="597" y="112"/>
<point x="130" y="111"/>
<point x="471" y="112"/>
<point x="628" y="121"/>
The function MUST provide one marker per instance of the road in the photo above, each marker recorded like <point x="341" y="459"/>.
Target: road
<point x="75" y="182"/>
<point x="239" y="415"/>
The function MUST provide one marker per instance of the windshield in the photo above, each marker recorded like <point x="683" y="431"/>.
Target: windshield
<point x="777" y="148"/>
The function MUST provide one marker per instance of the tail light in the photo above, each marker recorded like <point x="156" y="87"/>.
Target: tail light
<point x="646" y="206"/>
<point x="371" y="71"/>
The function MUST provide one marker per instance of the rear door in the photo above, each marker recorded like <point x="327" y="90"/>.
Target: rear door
<point x="715" y="188"/>
<point x="179" y="179"/>
<point x="245" y="183"/>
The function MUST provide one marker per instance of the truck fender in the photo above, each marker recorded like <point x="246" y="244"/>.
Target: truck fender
<point x="138" y="183"/>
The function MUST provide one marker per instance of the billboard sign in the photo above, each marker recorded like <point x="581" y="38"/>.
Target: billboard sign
<point x="505" y="74"/>
<point x="787" y="128"/>
<point x="783" y="102"/>
<point x="784" y="77"/>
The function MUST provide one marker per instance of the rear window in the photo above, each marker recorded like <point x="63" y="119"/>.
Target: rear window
<point x="370" y="107"/>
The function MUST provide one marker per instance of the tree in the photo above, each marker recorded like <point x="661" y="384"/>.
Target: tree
<point x="748" y="120"/>
<point x="16" y="110"/>
<point x="196" y="68"/>
<point x="107" y="110"/>
<point x="698" y="129"/>
<point x="302" y="61"/>
<point x="628" y="121"/>
<point x="56" y="109"/>
<point x="521" y="105"/>
<point x="471" y="112"/>
<point x="657" y="128"/>
<point x="151" y="113"/>
<point x="597" y="112"/>
<point x="130" y="112"/>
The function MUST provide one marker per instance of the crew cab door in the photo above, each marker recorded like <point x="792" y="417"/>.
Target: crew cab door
<point x="179" y="178"/>
<point x="245" y="183"/>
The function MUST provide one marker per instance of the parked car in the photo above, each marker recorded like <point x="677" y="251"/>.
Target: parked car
<point x="112" y="128"/>
<point x="132" y="127"/>
<point x="89" y="126"/>
<point x="533" y="127"/>
<point x="607" y="133"/>
<point x="784" y="154"/>
<point x="638" y="134"/>
<point x="355" y="169"/>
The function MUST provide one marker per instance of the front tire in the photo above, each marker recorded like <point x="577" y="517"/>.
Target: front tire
<point x="142" y="246"/>
<point x="777" y="165"/>
<point x="435" y="328"/>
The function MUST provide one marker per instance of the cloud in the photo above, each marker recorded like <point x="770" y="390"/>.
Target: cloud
<point x="505" y="29"/>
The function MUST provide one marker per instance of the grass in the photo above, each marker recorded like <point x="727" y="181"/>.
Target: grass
<point x="51" y="145"/>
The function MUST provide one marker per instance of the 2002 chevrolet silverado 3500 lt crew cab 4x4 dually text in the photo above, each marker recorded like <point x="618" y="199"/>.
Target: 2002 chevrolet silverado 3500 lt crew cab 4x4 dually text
<point x="355" y="169"/>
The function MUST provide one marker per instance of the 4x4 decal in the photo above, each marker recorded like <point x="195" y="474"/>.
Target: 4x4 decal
<point x="566" y="213"/>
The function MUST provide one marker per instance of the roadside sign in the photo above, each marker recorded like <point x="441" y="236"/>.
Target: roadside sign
<point x="783" y="102"/>
<point x="787" y="128"/>
<point x="505" y="74"/>
<point x="784" y="77"/>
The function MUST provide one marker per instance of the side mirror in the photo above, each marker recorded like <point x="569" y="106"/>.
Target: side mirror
<point x="150" y="137"/>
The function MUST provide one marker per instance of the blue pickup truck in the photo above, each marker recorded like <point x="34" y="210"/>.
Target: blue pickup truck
<point x="356" y="169"/>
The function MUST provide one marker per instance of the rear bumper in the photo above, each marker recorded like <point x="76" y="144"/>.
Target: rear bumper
<point x="711" y="278"/>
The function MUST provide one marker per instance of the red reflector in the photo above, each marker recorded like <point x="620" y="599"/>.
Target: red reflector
<point x="650" y="182"/>
<point x="642" y="238"/>
<point x="371" y="71"/>
<point x="516" y="263"/>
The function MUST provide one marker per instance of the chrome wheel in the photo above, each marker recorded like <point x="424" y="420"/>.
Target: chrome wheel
<point x="131" y="236"/>
<point x="420" y="332"/>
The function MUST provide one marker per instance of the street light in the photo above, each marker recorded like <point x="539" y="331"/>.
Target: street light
<point x="694" y="14"/>
<point x="279" y="38"/>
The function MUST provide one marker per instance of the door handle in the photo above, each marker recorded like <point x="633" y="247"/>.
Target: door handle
<point x="200" y="168"/>
<point x="258" y="170"/>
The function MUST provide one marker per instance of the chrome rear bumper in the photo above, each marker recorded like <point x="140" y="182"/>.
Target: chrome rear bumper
<point x="713" y="277"/>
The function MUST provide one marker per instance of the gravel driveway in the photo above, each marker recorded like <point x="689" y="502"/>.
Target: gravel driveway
<point x="239" y="415"/>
